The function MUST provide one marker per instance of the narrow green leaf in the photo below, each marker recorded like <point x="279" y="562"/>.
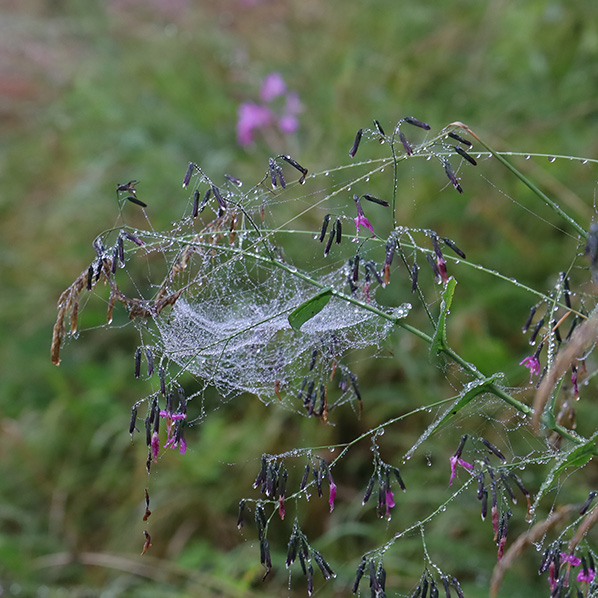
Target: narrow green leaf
<point x="439" y="338"/>
<point x="310" y="308"/>
<point x="579" y="456"/>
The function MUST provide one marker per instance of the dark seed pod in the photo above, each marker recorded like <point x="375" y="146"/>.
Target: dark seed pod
<point x="459" y="450"/>
<point x="380" y="129"/>
<point x="304" y="478"/>
<point x="508" y="488"/>
<point x="480" y="485"/>
<point x="358" y="575"/>
<point x="447" y="587"/>
<point x="133" y="199"/>
<point x="233" y="180"/>
<point x="330" y="240"/>
<point x="433" y="589"/>
<point x="484" y="500"/>
<point x="368" y="490"/>
<point x="129" y="236"/>
<point x="465" y="155"/>
<point x="150" y="361"/>
<point x="405" y="143"/>
<point x="324" y="227"/>
<point x="457" y="587"/>
<point x="324" y="567"/>
<point x="356" y="268"/>
<point x="219" y="198"/>
<point x="188" y="174"/>
<point x="339" y="231"/>
<point x="90" y="277"/>
<point x="353" y="379"/>
<point x="433" y="265"/>
<point x="450" y="173"/>
<point x="355" y="147"/>
<point x="297" y="166"/>
<point x="459" y="139"/>
<point x="137" y="362"/>
<point x="452" y="245"/>
<point x="530" y="317"/>
<point x="417" y="123"/>
<point x="414" y="275"/>
<point x="380" y="202"/>
<point x="132" y="423"/>
<point x="537" y="327"/>
<point x="195" y="209"/>
<point x="121" y="248"/>
<point x="493" y="449"/>
<point x="292" y="549"/>
<point x="587" y="503"/>
<point x="114" y="265"/>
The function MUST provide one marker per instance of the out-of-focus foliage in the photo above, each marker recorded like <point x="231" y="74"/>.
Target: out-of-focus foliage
<point x="95" y="94"/>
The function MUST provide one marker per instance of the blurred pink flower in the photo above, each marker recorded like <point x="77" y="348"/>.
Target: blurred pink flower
<point x="252" y="116"/>
<point x="532" y="363"/>
<point x="272" y="87"/>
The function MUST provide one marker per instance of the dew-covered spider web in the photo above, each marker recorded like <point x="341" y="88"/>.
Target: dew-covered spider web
<point x="284" y="290"/>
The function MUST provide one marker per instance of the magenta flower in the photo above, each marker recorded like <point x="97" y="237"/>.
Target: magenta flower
<point x="586" y="575"/>
<point x="332" y="494"/>
<point x="253" y="117"/>
<point x="272" y="87"/>
<point x="361" y="220"/>
<point x="155" y="444"/>
<point x="571" y="558"/>
<point x="532" y="363"/>
<point x="389" y="498"/>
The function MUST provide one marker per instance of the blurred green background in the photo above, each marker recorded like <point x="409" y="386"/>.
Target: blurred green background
<point x="98" y="93"/>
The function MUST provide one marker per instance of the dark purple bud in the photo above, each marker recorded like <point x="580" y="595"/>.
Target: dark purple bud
<point x="322" y="403"/>
<point x="324" y="567"/>
<point x="195" y="209"/>
<point x="132" y="426"/>
<point x="156" y="422"/>
<point x="452" y="245"/>
<point x="557" y="332"/>
<point x="382" y="578"/>
<point x="310" y="579"/>
<point x="261" y="476"/>
<point x="302" y="561"/>
<point x="330" y="240"/>
<point x="380" y="202"/>
<point x="297" y="166"/>
<point x="353" y="379"/>
<point x="310" y="390"/>
<point x="324" y="227"/>
<point x="282" y="486"/>
<point x="484" y="500"/>
<point x="137" y="362"/>
<point x="339" y="231"/>
<point x="265" y="557"/>
<point x="587" y="503"/>
<point x="219" y="198"/>
<point x="493" y="449"/>
<point x="417" y="123"/>
<point x="373" y="578"/>
<point x="300" y="393"/>
<point x="450" y="173"/>
<point x="397" y="473"/>
<point x="132" y="238"/>
<point x="273" y="170"/>
<point x="161" y="375"/>
<point x="260" y="519"/>
<point x="188" y="174"/>
<point x="98" y="269"/>
<point x="233" y="180"/>
<point x="537" y="327"/>
<point x="89" y="277"/>
<point x="519" y="483"/>
<point x="507" y="487"/>
<point x="355" y="273"/>
<point x="318" y="479"/>
<point x="148" y="432"/>
<point x="304" y="478"/>
<point x="414" y="273"/>
<point x="98" y="246"/>
<point x="459" y="139"/>
<point x="240" y="521"/>
<point x="355" y="147"/>
<point x="457" y="587"/>
<point x="433" y="589"/>
<point x="465" y="155"/>
<point x="150" y="361"/>
<point x="380" y="130"/>
<point x="591" y="561"/>
<point x="572" y="328"/>
<point x="530" y="317"/>
<point x="433" y="265"/>
<point x="368" y="490"/>
<point x="424" y="587"/>
<point x="417" y="592"/>
<point x="133" y="199"/>
<point x="358" y="575"/>
<point x="461" y="445"/>
<point x="370" y="267"/>
<point x="447" y="587"/>
<point x="480" y="485"/>
<point x="405" y="143"/>
<point x="114" y="260"/>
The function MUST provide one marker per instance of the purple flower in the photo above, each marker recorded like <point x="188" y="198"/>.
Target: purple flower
<point x="155" y="444"/>
<point x="532" y="363"/>
<point x="251" y="117"/>
<point x="454" y="461"/>
<point x="361" y="220"/>
<point x="389" y="498"/>
<point x="272" y="87"/>
<point x="571" y="558"/>
<point x="586" y="575"/>
<point x="332" y="494"/>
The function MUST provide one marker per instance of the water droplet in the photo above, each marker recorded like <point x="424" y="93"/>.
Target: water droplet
<point x="551" y="159"/>
<point x="326" y="173"/>
<point x="527" y="157"/>
<point x="584" y="161"/>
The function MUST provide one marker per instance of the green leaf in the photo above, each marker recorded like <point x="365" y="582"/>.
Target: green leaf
<point x="310" y="308"/>
<point x="579" y="456"/>
<point x="439" y="338"/>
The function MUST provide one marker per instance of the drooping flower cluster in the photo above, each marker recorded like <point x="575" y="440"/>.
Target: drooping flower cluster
<point x="253" y="117"/>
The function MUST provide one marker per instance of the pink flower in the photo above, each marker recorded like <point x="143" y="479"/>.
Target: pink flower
<point x="288" y="124"/>
<point x="532" y="363"/>
<point x="389" y="498"/>
<point x="571" y="558"/>
<point x="272" y="87"/>
<point x="251" y="117"/>
<point x="332" y="494"/>
<point x="155" y="444"/>
<point x="586" y="575"/>
<point x="361" y="221"/>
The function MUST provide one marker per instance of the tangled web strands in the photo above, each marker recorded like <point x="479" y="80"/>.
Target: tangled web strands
<point x="234" y="333"/>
